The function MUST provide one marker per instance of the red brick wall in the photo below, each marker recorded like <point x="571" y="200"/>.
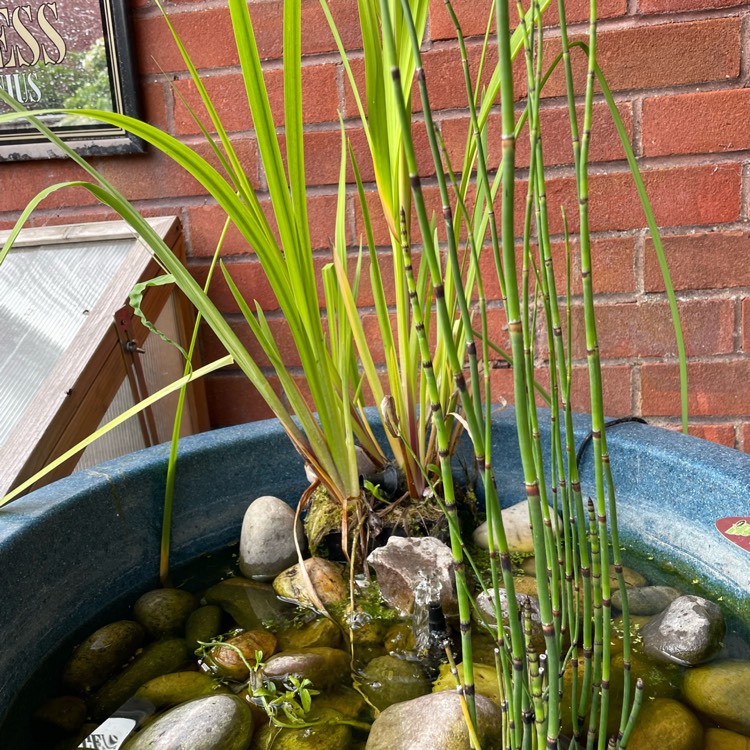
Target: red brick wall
<point x="677" y="67"/>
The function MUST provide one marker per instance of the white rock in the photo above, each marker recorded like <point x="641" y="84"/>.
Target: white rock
<point x="267" y="541"/>
<point x="517" y="530"/>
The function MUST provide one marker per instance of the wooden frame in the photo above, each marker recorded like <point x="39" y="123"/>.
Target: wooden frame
<point x="77" y="392"/>
<point x="72" y="54"/>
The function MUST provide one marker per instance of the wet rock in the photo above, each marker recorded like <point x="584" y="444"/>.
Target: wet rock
<point x="400" y="639"/>
<point x="267" y="538"/>
<point x="485" y="681"/>
<point x="486" y="604"/>
<point x="646" y="600"/>
<point x="721" y="691"/>
<point x="326" y="735"/>
<point x="668" y="725"/>
<point x="517" y="530"/>
<point x="689" y="631"/>
<point x="735" y="647"/>
<point x="662" y="679"/>
<point x="723" y="739"/>
<point x="156" y="659"/>
<point x="347" y="701"/>
<point x="228" y="663"/>
<point x="319" y="632"/>
<point x="326" y="578"/>
<point x="64" y="713"/>
<point x="96" y="659"/>
<point x="433" y="722"/>
<point x="633" y="579"/>
<point x="249" y="603"/>
<point x="323" y="666"/>
<point x="406" y="563"/>
<point x="178" y="687"/>
<point x="163" y="612"/>
<point x="387" y="680"/>
<point x="218" y="722"/>
<point x="203" y="625"/>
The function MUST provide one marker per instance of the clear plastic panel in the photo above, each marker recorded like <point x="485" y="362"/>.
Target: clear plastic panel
<point x="45" y="295"/>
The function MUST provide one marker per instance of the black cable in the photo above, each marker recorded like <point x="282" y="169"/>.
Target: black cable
<point x="607" y="425"/>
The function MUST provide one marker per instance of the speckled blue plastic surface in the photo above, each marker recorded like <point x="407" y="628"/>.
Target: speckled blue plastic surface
<point x="67" y="551"/>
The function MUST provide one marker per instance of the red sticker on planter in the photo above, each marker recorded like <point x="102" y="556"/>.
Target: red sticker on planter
<point x="736" y="529"/>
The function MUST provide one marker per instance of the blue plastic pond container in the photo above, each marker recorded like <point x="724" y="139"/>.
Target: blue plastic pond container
<point x="73" y="549"/>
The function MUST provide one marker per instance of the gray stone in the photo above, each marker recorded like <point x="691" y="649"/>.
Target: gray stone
<point x="163" y="612"/>
<point x="721" y="691"/>
<point x="405" y="564"/>
<point x="517" y="530"/>
<point x="102" y="654"/>
<point x="387" y="680"/>
<point x="267" y="538"/>
<point x="688" y="632"/>
<point x="217" y="722"/>
<point x="434" y="722"/>
<point x="647" y="600"/>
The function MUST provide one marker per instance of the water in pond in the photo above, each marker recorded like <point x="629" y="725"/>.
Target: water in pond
<point x="322" y="686"/>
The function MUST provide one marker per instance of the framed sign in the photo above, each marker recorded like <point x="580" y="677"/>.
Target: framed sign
<point x="66" y="54"/>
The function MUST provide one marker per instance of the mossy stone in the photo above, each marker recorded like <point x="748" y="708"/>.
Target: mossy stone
<point x="387" y="680"/>
<point x="203" y="625"/>
<point x="326" y="735"/>
<point x="326" y="577"/>
<point x="319" y="632"/>
<point x="163" y="612"/>
<point x="721" y="691"/>
<point x="485" y="681"/>
<point x="156" y="659"/>
<point x="668" y="725"/>
<point x="178" y="687"/>
<point x="105" y="651"/>
<point x="63" y="713"/>
<point x="723" y="739"/>
<point x="249" y="603"/>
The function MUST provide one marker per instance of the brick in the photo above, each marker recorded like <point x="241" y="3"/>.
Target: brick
<point x="205" y="224"/>
<point x="613" y="270"/>
<point x="646" y="330"/>
<point x="675" y="6"/>
<point x="744" y="429"/>
<point x="707" y="122"/>
<point x="227" y="91"/>
<point x="473" y="15"/>
<point x="646" y="57"/>
<point x="157" y="51"/>
<point x="715" y="260"/>
<point x="716" y="388"/>
<point x="154" y="104"/>
<point x="213" y="349"/>
<point x="616" y="387"/>
<point x="556" y="140"/>
<point x="716" y="433"/>
<point x="232" y="399"/>
<point x="701" y="194"/>
<point x="746" y="326"/>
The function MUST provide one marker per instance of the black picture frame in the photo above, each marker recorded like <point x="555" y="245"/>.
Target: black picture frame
<point x="68" y="53"/>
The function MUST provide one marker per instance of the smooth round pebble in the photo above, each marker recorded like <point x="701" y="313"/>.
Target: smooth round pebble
<point x="267" y="538"/>
<point x="218" y="722"/>
<point x="163" y="612"/>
